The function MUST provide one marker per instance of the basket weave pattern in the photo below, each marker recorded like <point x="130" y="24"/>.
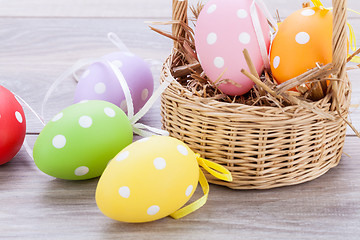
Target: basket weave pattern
<point x="263" y="147"/>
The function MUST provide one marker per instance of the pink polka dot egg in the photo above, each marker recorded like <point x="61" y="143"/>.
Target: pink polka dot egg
<point x="223" y="30"/>
<point x="99" y="82"/>
<point x="148" y="180"/>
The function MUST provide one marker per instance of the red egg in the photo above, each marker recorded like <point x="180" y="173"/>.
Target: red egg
<point x="12" y="125"/>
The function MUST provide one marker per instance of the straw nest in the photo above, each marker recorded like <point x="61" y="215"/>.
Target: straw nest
<point x="271" y="136"/>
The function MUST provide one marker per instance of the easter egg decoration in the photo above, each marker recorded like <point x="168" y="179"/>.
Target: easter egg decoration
<point x="12" y="125"/>
<point x="223" y="30"/>
<point x="79" y="142"/>
<point x="304" y="38"/>
<point x="98" y="82"/>
<point x="153" y="178"/>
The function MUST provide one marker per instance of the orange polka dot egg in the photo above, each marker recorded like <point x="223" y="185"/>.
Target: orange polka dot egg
<point x="303" y="39"/>
<point x="148" y="180"/>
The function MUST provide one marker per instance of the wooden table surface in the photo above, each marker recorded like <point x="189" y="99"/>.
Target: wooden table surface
<point x="40" y="39"/>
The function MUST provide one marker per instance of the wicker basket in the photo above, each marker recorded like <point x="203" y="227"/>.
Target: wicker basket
<point x="263" y="147"/>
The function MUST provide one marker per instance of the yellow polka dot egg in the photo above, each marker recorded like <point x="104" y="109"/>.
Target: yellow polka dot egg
<point x="148" y="180"/>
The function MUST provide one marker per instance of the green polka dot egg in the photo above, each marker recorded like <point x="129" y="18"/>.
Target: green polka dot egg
<point x="148" y="180"/>
<point x="79" y="142"/>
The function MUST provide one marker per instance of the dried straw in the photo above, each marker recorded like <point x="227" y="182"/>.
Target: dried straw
<point x="269" y="137"/>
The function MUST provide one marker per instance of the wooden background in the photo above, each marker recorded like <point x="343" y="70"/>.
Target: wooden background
<point x="40" y="39"/>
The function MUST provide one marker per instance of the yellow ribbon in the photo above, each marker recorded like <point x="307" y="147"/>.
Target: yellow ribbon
<point x="214" y="169"/>
<point x="355" y="59"/>
<point x="317" y="3"/>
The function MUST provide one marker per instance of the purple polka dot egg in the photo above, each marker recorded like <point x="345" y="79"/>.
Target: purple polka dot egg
<point x="99" y="82"/>
<point x="223" y="30"/>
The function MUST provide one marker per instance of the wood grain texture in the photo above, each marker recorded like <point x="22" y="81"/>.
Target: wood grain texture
<point x="39" y="39"/>
<point x="123" y="8"/>
<point x="36" y="206"/>
<point x="34" y="52"/>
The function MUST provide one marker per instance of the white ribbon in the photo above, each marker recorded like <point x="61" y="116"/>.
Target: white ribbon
<point x="138" y="128"/>
<point x="41" y="119"/>
<point x="147" y="131"/>
<point x="151" y="101"/>
<point x="125" y="88"/>
<point x="69" y="72"/>
<point x="26" y="144"/>
<point x="79" y="65"/>
<point x="28" y="149"/>
<point x="267" y="13"/>
<point x="258" y="29"/>
<point x="117" y="42"/>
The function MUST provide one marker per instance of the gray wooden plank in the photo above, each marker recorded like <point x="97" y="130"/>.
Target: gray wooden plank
<point x="123" y="8"/>
<point x="34" y="53"/>
<point x="36" y="206"/>
<point x="354" y="115"/>
<point x="85" y="8"/>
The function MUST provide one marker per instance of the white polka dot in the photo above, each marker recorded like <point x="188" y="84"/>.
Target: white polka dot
<point x="144" y="94"/>
<point x="241" y="13"/>
<point x="302" y="38"/>
<point x="123" y="105"/>
<point x="81" y="171"/>
<point x="144" y="140"/>
<point x="219" y="62"/>
<point x="159" y="163"/>
<point x="211" y="38"/>
<point x="189" y="190"/>
<point x="153" y="210"/>
<point x="182" y="149"/>
<point x="276" y="62"/>
<point x="211" y="9"/>
<point x="59" y="141"/>
<point x="117" y="63"/>
<point x="100" y="88"/>
<point x="122" y="156"/>
<point x="18" y="116"/>
<point x="57" y="117"/>
<point x="110" y="112"/>
<point x="308" y="12"/>
<point x="85" y="74"/>
<point x="85" y="121"/>
<point x="84" y="101"/>
<point x="244" y="38"/>
<point x="124" y="192"/>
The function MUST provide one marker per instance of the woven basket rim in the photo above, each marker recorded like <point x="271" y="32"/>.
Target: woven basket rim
<point x="262" y="146"/>
<point x="218" y="104"/>
<point x="340" y="89"/>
